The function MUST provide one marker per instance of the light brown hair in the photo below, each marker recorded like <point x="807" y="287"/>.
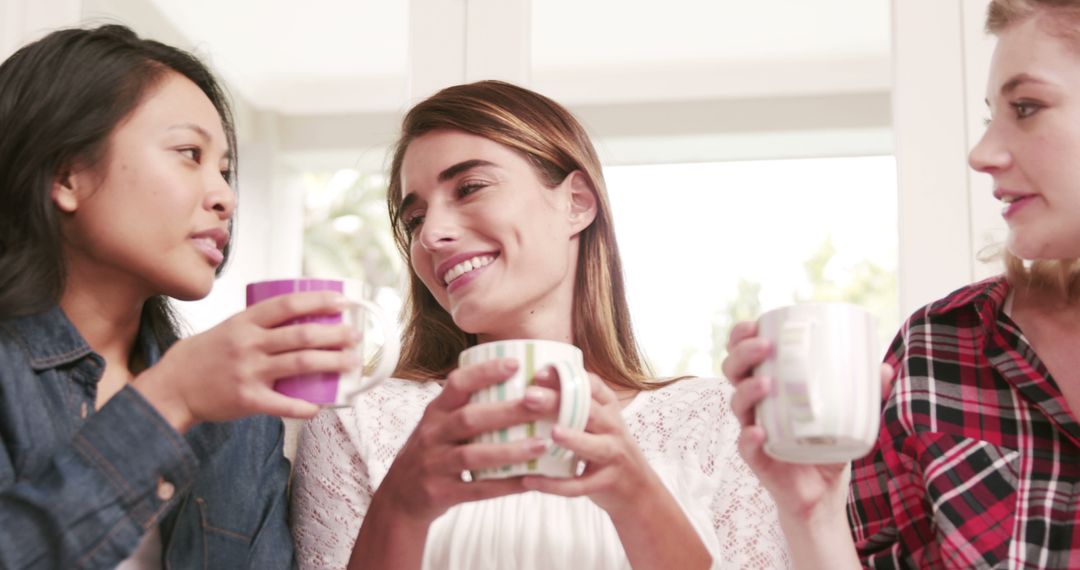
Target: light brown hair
<point x="555" y="144"/>
<point x="1061" y="18"/>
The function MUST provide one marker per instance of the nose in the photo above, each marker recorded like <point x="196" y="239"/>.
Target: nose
<point x="990" y="155"/>
<point x="439" y="229"/>
<point x="220" y="197"/>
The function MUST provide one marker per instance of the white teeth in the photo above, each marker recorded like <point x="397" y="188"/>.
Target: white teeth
<point x="467" y="266"/>
<point x="209" y="242"/>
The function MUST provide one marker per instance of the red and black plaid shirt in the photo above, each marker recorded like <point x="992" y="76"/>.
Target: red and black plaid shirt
<point x="978" y="460"/>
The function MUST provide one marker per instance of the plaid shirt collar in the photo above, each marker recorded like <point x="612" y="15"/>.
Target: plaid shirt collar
<point x="1008" y="351"/>
<point x="978" y="462"/>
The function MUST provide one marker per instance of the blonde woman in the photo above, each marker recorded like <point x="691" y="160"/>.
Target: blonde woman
<point x="508" y="179"/>
<point x="978" y="459"/>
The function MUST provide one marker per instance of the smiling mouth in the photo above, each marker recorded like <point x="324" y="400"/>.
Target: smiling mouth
<point x="466" y="266"/>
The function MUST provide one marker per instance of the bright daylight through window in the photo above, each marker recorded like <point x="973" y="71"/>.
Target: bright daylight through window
<point x="703" y="245"/>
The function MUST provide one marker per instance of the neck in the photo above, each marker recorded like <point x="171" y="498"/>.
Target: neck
<point x="105" y="312"/>
<point x="1035" y="304"/>
<point x="542" y="322"/>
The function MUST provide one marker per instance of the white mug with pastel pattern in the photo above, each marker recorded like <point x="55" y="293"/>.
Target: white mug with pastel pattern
<point x="575" y="400"/>
<point x="825" y="404"/>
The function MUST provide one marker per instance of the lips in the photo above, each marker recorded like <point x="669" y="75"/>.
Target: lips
<point x="457" y="266"/>
<point x="1012" y="200"/>
<point x="211" y="243"/>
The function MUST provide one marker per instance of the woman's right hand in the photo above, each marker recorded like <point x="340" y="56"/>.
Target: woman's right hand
<point x="229" y="371"/>
<point x="425" y="479"/>
<point x="802" y="492"/>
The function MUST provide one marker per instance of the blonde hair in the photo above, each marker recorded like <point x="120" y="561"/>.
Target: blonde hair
<point x="1001" y="14"/>
<point x="1057" y="277"/>
<point x="553" y="141"/>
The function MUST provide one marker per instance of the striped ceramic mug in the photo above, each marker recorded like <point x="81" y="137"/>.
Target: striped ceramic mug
<point x="825" y="406"/>
<point x="575" y="399"/>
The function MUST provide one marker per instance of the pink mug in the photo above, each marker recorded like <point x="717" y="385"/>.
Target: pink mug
<point x="331" y="389"/>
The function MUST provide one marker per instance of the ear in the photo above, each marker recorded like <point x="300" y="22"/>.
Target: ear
<point x="583" y="201"/>
<point x="65" y="193"/>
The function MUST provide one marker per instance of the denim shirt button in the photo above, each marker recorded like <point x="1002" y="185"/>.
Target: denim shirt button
<point x="165" y="490"/>
<point x="83" y="410"/>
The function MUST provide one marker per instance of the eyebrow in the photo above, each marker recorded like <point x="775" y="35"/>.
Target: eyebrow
<point x="447" y="174"/>
<point x="1018" y="80"/>
<point x="203" y="133"/>
<point x="463" y="167"/>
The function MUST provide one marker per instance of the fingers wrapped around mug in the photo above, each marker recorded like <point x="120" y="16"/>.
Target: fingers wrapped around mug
<point x="464" y="381"/>
<point x="745" y="352"/>
<point x="615" y="469"/>
<point x="746" y="397"/>
<point x="426" y="478"/>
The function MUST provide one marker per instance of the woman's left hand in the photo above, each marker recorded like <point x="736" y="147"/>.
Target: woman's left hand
<point x="651" y="525"/>
<point x="616" y="473"/>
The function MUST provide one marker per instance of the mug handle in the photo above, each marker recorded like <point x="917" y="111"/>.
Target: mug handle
<point x="575" y="399"/>
<point x="795" y="371"/>
<point x="390" y="349"/>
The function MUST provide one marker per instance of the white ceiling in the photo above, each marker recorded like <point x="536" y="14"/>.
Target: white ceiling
<point x="348" y="56"/>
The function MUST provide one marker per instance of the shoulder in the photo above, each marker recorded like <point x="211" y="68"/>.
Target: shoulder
<point x="389" y="411"/>
<point x="957" y="322"/>
<point x="44" y="340"/>
<point x="393" y="396"/>
<point x="968" y="304"/>
<point x="695" y="411"/>
<point x="13" y="347"/>
<point x="691" y="393"/>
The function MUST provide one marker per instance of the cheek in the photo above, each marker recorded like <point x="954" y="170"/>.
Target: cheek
<point x="421" y="265"/>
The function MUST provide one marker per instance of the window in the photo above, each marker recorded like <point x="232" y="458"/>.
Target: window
<point x="704" y="245"/>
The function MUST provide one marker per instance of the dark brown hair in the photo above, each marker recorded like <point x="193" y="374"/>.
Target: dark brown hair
<point x="60" y="99"/>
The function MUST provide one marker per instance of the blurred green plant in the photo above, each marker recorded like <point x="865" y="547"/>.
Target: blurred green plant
<point x="347" y="231"/>
<point x="866" y="284"/>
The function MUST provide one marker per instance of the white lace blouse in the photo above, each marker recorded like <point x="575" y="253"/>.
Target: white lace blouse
<point x="686" y="430"/>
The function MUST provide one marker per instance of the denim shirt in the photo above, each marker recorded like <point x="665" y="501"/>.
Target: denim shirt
<point x="79" y="487"/>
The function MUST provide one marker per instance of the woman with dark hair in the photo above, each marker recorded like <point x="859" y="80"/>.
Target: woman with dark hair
<point x="121" y="443"/>
<point x="978" y="461"/>
<point x="499" y="206"/>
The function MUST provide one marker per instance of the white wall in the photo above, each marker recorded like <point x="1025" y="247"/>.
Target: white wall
<point x="22" y="21"/>
<point x="946" y="212"/>
<point x="939" y="66"/>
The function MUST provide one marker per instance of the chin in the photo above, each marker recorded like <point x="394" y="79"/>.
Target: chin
<point x="471" y="320"/>
<point x="1035" y="250"/>
<point x="190" y="291"/>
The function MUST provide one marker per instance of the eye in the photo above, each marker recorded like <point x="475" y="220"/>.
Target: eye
<point x="1025" y="109"/>
<point x="412" y="221"/>
<point x="193" y="153"/>
<point x="468" y="188"/>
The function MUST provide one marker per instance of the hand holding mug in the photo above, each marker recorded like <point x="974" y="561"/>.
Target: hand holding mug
<point x="617" y="475"/>
<point x="333" y="388"/>
<point x="426" y="477"/>
<point x="799" y="489"/>
<point x="228" y="371"/>
<point x="561" y="367"/>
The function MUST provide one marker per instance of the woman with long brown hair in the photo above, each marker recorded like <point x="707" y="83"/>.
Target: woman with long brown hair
<point x="499" y="207"/>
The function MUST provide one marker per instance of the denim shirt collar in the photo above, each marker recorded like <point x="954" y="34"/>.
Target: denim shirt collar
<point x="51" y="340"/>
